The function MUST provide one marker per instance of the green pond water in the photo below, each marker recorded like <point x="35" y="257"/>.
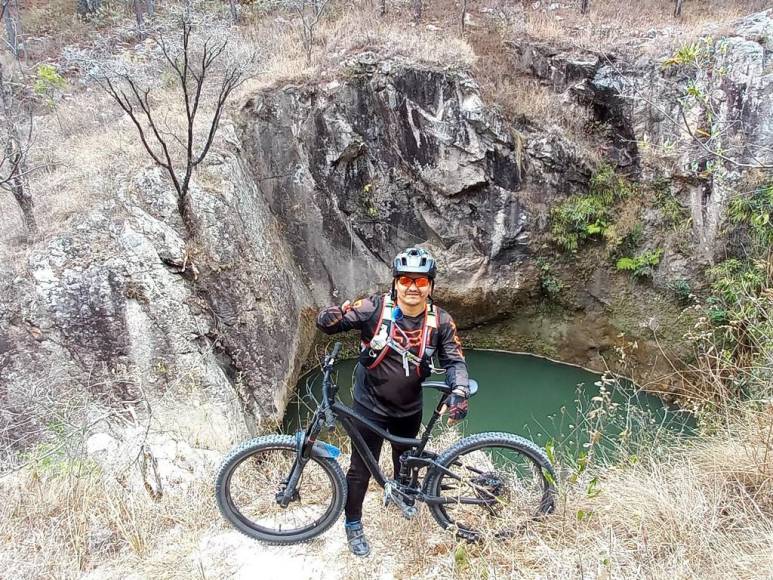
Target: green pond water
<point x="530" y="396"/>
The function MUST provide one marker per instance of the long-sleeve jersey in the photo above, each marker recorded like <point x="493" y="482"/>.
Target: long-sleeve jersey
<point x="385" y="388"/>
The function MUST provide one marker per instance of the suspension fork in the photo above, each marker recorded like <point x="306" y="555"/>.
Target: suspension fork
<point x="304" y="444"/>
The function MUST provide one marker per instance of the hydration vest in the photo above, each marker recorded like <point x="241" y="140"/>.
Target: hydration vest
<point x="385" y="328"/>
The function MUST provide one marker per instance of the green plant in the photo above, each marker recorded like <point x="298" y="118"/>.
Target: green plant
<point x="366" y="201"/>
<point x="627" y="244"/>
<point x="674" y="213"/>
<point x="550" y="285"/>
<point x="683" y="291"/>
<point x="734" y="339"/>
<point x="609" y="186"/>
<point x="755" y="211"/>
<point x="687" y="54"/>
<point x="642" y="265"/>
<point x="585" y="216"/>
<point x="48" y="82"/>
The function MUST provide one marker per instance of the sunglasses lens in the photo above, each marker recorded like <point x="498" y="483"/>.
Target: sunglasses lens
<point x="407" y="281"/>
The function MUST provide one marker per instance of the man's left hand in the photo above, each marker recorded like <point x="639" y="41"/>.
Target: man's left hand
<point x="457" y="405"/>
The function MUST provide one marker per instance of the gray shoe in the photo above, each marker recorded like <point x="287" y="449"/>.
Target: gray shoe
<point x="358" y="543"/>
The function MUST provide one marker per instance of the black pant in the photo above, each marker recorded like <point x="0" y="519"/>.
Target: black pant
<point x="358" y="475"/>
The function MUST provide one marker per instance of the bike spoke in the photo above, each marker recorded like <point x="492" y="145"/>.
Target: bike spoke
<point x="256" y="481"/>
<point x="494" y="490"/>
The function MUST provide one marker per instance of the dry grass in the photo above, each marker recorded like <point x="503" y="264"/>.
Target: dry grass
<point x="348" y="29"/>
<point x="644" y="25"/>
<point x="703" y="508"/>
<point x="59" y="526"/>
<point x="85" y="148"/>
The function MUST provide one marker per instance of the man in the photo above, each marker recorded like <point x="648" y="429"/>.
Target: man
<point x="400" y="332"/>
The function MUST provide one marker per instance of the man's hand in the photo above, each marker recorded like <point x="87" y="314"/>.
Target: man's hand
<point x="457" y="405"/>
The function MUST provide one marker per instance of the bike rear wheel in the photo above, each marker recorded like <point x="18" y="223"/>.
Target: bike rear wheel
<point x="493" y="485"/>
<point x="254" y="473"/>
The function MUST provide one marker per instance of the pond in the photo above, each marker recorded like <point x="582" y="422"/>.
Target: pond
<point x="531" y="396"/>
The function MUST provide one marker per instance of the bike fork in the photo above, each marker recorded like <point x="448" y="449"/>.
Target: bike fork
<point x="289" y="493"/>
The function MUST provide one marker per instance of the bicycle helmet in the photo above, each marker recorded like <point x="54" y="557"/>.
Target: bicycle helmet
<point x="414" y="261"/>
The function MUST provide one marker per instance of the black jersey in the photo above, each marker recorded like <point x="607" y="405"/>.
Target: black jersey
<point x="385" y="388"/>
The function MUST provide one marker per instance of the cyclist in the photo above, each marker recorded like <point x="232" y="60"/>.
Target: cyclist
<point x="400" y="332"/>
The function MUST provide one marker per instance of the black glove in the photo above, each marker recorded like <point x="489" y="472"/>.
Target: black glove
<point x="457" y="404"/>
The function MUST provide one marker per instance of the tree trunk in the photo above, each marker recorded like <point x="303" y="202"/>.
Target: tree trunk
<point x="23" y="197"/>
<point x="383" y="8"/>
<point x="14" y="157"/>
<point x="678" y="8"/>
<point x="140" y="7"/>
<point x="417" y="11"/>
<point x="464" y="13"/>
<point x="234" y="11"/>
<point x="584" y="6"/>
<point x="13" y="27"/>
<point x="88" y="8"/>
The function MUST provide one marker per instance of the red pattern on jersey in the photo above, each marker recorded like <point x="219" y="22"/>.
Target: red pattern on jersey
<point x="413" y="336"/>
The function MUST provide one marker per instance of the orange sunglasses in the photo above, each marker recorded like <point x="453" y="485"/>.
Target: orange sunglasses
<point x="406" y="281"/>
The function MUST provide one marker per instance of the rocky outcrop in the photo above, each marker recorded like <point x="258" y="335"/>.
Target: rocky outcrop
<point x="303" y="206"/>
<point x="700" y="117"/>
<point x="397" y="155"/>
<point x="303" y="202"/>
<point x="129" y="305"/>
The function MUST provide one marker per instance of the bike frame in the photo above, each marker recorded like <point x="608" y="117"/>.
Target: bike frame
<point x="331" y="409"/>
<point x="349" y="418"/>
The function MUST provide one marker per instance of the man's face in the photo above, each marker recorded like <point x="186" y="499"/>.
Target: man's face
<point x="411" y="292"/>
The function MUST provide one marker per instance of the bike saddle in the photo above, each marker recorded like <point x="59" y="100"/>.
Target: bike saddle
<point x="444" y="388"/>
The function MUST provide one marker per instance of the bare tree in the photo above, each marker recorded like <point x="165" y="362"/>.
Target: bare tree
<point x="464" y="13"/>
<point x="310" y="12"/>
<point x="9" y="12"/>
<point x="13" y="157"/>
<point x="383" y="8"/>
<point x="584" y="6"/>
<point x="678" y="8"/>
<point x="193" y="70"/>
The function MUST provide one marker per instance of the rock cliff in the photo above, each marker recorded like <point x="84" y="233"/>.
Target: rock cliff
<point x="311" y="189"/>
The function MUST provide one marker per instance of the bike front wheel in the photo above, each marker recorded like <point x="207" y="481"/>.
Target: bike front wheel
<point x="254" y="473"/>
<point x="491" y="485"/>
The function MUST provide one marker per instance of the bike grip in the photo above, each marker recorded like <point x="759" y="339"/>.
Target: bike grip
<point x="336" y="350"/>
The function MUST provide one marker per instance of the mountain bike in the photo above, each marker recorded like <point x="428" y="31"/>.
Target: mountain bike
<point x="284" y="489"/>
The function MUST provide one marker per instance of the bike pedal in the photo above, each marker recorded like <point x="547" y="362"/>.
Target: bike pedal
<point x="391" y="495"/>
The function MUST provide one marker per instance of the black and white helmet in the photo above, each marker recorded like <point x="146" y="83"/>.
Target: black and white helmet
<point x="414" y="261"/>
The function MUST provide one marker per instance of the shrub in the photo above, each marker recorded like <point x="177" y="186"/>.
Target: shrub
<point x="683" y="291"/>
<point x="641" y="266"/>
<point x="550" y="285"/>
<point x="582" y="217"/>
<point x="755" y="211"/>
